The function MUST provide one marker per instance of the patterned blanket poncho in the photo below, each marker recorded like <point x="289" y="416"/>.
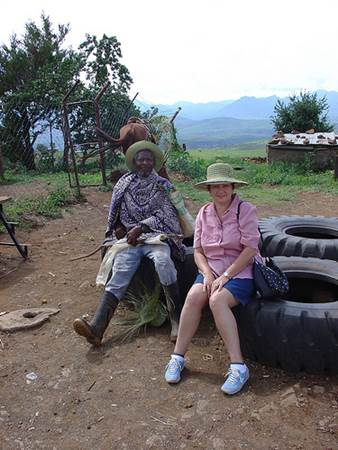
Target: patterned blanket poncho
<point x="136" y="200"/>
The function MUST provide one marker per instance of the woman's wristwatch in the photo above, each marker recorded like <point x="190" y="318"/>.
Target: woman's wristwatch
<point x="226" y="274"/>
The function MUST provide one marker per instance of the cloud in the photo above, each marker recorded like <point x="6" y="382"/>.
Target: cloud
<point x="203" y="51"/>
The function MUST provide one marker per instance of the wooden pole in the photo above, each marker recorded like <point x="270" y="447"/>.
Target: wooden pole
<point x="99" y="125"/>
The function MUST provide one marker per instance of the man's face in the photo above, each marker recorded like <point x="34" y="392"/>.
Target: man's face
<point x="144" y="162"/>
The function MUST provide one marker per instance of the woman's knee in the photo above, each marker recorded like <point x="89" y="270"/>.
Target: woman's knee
<point x="221" y="299"/>
<point x="196" y="298"/>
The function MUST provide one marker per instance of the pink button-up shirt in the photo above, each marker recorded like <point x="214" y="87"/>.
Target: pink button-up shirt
<point x="223" y="240"/>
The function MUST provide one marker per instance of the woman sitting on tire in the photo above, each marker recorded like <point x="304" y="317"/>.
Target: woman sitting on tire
<point x="225" y="243"/>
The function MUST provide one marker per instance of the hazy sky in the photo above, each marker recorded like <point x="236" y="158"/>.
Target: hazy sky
<point x="204" y="50"/>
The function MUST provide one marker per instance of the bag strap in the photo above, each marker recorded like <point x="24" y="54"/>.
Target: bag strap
<point x="262" y="241"/>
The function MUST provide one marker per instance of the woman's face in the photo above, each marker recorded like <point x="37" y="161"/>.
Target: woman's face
<point x="221" y="193"/>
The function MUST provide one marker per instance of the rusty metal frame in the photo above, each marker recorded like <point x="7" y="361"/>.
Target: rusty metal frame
<point x="68" y="142"/>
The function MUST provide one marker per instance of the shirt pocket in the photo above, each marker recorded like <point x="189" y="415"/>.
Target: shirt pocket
<point x="230" y="233"/>
<point x="210" y="235"/>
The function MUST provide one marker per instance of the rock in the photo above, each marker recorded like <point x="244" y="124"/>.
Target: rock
<point x="201" y="406"/>
<point x="288" y="392"/>
<point x="268" y="409"/>
<point x="22" y="319"/>
<point x="216" y="418"/>
<point x="289" y="401"/>
<point x="218" y="444"/>
<point x="316" y="389"/>
<point x="255" y="415"/>
<point x="84" y="285"/>
<point x="65" y="372"/>
<point x="187" y="415"/>
<point x="154" y="442"/>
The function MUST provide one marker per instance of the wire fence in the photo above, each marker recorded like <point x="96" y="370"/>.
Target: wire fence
<point x="38" y="139"/>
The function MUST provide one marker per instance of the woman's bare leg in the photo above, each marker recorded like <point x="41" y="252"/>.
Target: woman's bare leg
<point x="220" y="305"/>
<point x="190" y="317"/>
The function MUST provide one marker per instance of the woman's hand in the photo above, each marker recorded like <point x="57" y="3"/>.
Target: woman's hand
<point x="133" y="235"/>
<point x="207" y="283"/>
<point x="218" y="284"/>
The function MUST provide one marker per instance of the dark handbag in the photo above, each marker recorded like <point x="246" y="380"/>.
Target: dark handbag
<point x="270" y="280"/>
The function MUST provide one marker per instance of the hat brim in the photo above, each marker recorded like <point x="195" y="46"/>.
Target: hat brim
<point x="144" y="145"/>
<point x="203" y="185"/>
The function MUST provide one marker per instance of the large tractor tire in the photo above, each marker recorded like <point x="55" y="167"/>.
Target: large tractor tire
<point x="298" y="332"/>
<point x="307" y="236"/>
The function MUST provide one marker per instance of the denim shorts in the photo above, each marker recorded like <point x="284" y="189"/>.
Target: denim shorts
<point x="243" y="289"/>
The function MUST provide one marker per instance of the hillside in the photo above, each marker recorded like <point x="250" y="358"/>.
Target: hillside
<point x="220" y="132"/>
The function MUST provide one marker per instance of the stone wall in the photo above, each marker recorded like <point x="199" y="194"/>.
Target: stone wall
<point x="323" y="158"/>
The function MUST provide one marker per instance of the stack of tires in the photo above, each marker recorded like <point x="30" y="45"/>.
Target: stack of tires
<point x="300" y="331"/>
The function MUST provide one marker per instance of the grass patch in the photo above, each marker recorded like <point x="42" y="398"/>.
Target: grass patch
<point x="268" y="183"/>
<point x="257" y="194"/>
<point x="27" y="210"/>
<point x="54" y="179"/>
<point x="231" y="152"/>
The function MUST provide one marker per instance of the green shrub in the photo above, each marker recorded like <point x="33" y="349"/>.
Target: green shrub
<point x="183" y="163"/>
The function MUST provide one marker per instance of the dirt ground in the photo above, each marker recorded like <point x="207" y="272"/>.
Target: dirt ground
<point x="115" y="397"/>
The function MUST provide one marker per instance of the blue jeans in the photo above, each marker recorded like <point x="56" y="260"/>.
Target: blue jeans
<point x="127" y="261"/>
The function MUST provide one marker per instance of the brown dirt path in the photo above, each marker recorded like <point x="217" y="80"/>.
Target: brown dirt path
<point x="115" y="397"/>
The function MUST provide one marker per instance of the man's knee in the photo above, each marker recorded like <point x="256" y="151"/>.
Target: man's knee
<point x="164" y="266"/>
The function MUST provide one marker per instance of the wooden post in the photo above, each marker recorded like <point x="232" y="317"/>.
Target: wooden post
<point x="99" y="125"/>
<point x="72" y="151"/>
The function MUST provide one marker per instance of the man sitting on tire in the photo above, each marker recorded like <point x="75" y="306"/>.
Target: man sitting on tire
<point x="140" y="209"/>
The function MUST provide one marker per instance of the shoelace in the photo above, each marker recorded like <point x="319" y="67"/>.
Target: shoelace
<point x="173" y="365"/>
<point x="234" y="376"/>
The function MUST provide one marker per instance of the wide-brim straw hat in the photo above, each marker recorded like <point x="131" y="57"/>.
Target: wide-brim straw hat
<point x="144" y="145"/>
<point x="220" y="173"/>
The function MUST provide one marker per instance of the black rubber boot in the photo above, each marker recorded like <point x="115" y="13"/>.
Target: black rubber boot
<point x="174" y="305"/>
<point x="94" y="330"/>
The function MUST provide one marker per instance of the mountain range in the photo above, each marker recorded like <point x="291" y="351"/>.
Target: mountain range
<point x="229" y="122"/>
<point x="244" y="108"/>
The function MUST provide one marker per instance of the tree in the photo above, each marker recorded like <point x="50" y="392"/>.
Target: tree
<point x="35" y="71"/>
<point x="302" y="112"/>
<point x="100" y="62"/>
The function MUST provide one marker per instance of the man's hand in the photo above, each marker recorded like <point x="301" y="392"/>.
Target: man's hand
<point x="120" y="232"/>
<point x="133" y="235"/>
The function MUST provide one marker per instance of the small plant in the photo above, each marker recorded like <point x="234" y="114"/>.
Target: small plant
<point x="148" y="309"/>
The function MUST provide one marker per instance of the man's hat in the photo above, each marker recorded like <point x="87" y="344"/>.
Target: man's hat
<point x="144" y="145"/>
